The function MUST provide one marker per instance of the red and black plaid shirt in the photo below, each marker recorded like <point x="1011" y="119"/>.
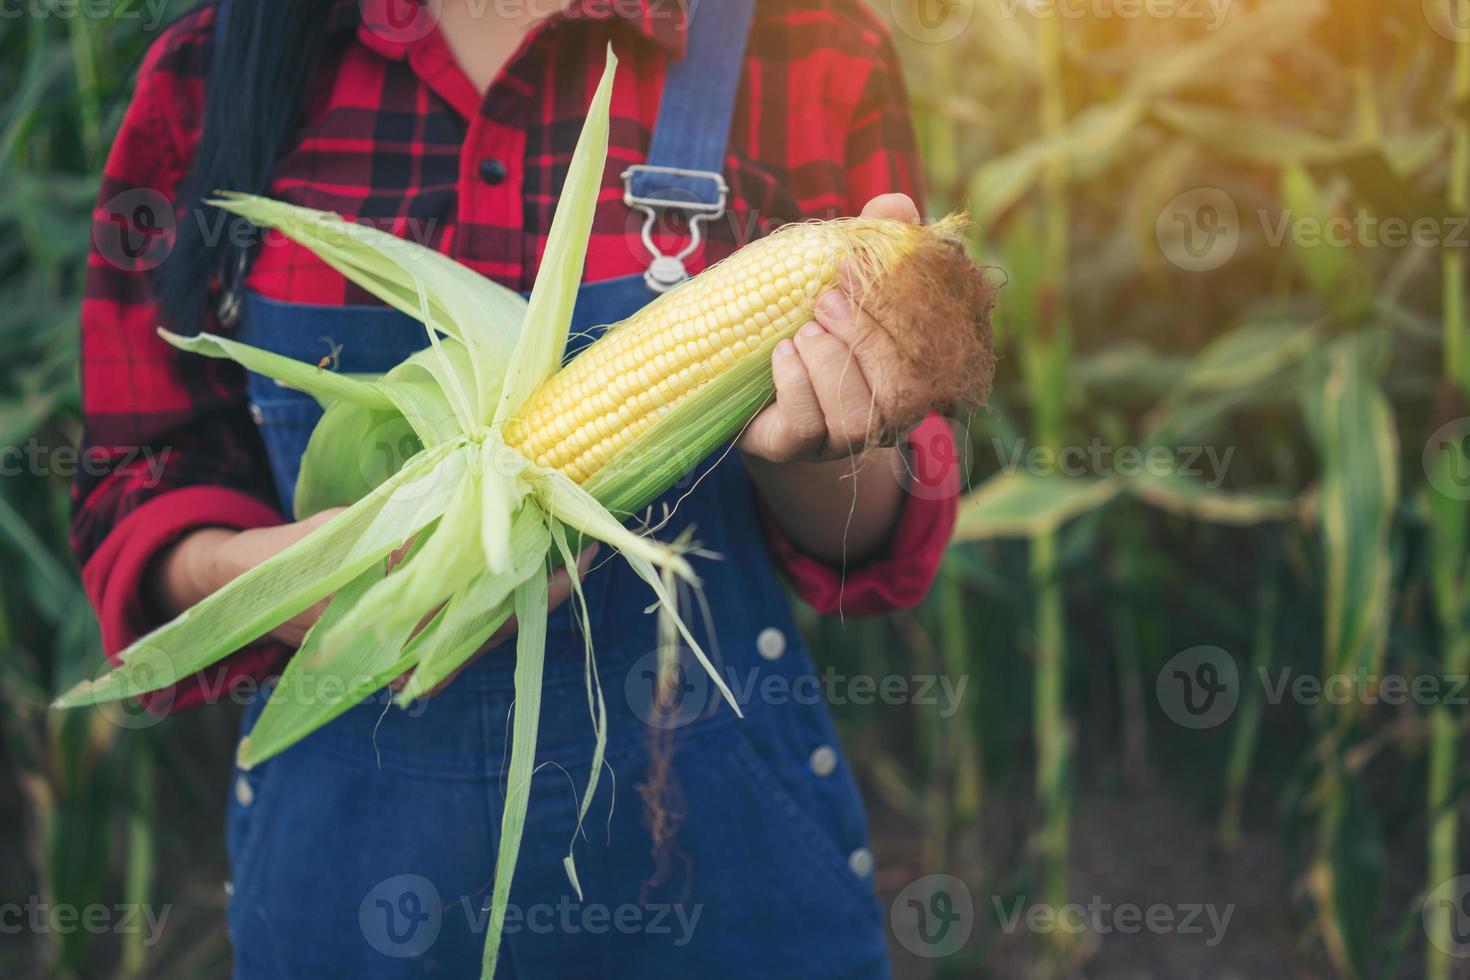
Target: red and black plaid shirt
<point x="395" y="133"/>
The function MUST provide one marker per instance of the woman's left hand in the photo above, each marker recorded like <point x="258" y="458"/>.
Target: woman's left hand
<point x="825" y="377"/>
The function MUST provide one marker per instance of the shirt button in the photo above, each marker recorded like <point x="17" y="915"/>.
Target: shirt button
<point x="860" y="862"/>
<point x="824" y="760"/>
<point x="771" y="643"/>
<point x="492" y="171"/>
<point x="244" y="795"/>
<point x="256" y="415"/>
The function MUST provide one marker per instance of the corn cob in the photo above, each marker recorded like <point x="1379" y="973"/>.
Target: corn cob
<point x="581" y="418"/>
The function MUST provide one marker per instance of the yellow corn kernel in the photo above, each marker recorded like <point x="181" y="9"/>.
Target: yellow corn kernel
<point x="642" y="368"/>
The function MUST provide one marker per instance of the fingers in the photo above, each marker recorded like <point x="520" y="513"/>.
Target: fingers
<point x="895" y="207"/>
<point x="840" y="385"/>
<point x="871" y="345"/>
<point x="794" y="427"/>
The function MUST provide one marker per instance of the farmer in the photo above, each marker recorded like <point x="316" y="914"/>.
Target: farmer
<point x="367" y="849"/>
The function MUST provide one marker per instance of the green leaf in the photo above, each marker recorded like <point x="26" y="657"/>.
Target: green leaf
<point x="1255" y="32"/>
<point x="1449" y="519"/>
<point x="1192" y="498"/>
<point x="320" y="383"/>
<point x="284" y="584"/>
<point x="352" y="449"/>
<point x="477" y="610"/>
<point x="1250" y="137"/>
<point x="1250" y="354"/>
<point x="1334" y="269"/>
<point x="1392" y="194"/>
<point x="483" y="315"/>
<point x="1090" y="143"/>
<point x="596" y="705"/>
<point x="319" y="685"/>
<point x="565" y="501"/>
<point x="530" y="606"/>
<point x="1357" y="444"/>
<point x="549" y="314"/>
<point x="1021" y="505"/>
<point x="443" y="556"/>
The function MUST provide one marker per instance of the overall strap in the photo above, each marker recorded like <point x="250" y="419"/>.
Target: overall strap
<point x="221" y="17"/>
<point x="686" y="157"/>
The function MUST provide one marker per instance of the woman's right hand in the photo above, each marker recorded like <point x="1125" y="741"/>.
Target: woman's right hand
<point x="205" y="560"/>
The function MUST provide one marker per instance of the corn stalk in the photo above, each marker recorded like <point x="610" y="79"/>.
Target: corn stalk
<point x="1248" y="725"/>
<point x="1448" y="541"/>
<point x="1049" y="346"/>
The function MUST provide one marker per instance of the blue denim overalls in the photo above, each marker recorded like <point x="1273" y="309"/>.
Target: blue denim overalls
<point x="367" y="849"/>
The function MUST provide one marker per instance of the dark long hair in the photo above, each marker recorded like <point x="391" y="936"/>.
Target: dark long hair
<point x="264" y="51"/>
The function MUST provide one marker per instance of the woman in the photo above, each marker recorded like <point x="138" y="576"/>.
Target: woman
<point x="367" y="849"/>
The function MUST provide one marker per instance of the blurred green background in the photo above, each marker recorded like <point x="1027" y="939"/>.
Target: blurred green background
<point x="1209" y="604"/>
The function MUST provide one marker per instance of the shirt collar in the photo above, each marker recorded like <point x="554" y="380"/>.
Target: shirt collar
<point x="392" y="27"/>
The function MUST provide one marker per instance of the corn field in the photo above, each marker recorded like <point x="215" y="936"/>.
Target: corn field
<point x="1188" y="698"/>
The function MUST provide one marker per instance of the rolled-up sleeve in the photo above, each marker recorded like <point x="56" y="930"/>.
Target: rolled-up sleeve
<point x="900" y="575"/>
<point x="168" y="442"/>
<point x="882" y="157"/>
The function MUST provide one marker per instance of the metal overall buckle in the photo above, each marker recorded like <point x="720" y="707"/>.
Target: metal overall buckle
<point x="228" y="311"/>
<point x="667" y="271"/>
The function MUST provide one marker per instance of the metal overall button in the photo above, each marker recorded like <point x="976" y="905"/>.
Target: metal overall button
<point x="770" y="643"/>
<point x="667" y="271"/>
